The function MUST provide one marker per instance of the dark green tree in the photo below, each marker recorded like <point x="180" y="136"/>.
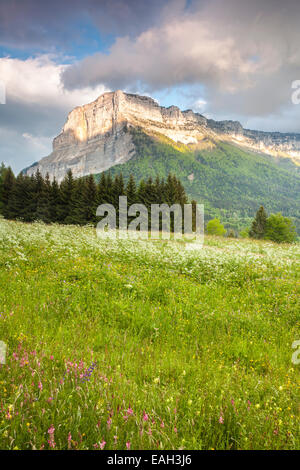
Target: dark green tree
<point x="67" y="197"/>
<point x="8" y="182"/>
<point x="54" y="205"/>
<point x="90" y="199"/>
<point x="42" y="195"/>
<point x="258" y="228"/>
<point x="131" y="191"/>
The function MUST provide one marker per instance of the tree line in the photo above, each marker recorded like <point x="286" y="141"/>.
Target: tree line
<point x="276" y="228"/>
<point x="75" y="201"/>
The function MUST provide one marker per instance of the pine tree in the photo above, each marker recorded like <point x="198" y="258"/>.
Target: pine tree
<point x="54" y="201"/>
<point x="90" y="199"/>
<point x="42" y="194"/>
<point x="2" y="172"/>
<point x="6" y="191"/>
<point x="21" y="197"/>
<point x="67" y="197"/>
<point x="109" y="196"/>
<point x="131" y="191"/>
<point x="78" y="209"/>
<point x="258" y="228"/>
<point x="102" y="190"/>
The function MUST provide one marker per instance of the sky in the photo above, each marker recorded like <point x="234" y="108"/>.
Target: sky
<point x="226" y="59"/>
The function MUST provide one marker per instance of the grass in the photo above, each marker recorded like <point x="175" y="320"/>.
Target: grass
<point x="230" y="181"/>
<point x="146" y="346"/>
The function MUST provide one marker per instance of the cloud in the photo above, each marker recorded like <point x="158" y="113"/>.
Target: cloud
<point x="246" y="54"/>
<point x="45" y="25"/>
<point x="36" y="107"/>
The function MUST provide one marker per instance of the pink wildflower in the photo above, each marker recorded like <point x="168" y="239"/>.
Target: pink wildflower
<point x="128" y="444"/>
<point x="51" y="441"/>
<point x="69" y="441"/>
<point x="109" y="421"/>
<point x="145" y="416"/>
<point x="221" y="419"/>
<point x="40" y="385"/>
<point x="102" y="445"/>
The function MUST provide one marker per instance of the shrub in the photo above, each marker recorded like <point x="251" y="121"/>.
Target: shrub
<point x="214" y="227"/>
<point x="280" y="229"/>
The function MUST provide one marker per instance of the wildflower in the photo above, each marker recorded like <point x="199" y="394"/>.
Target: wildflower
<point x="156" y="380"/>
<point x="102" y="445"/>
<point x="128" y="444"/>
<point x="51" y="357"/>
<point x="145" y="416"/>
<point x="51" y="441"/>
<point x="109" y="421"/>
<point x="221" y="419"/>
<point x="130" y="411"/>
<point x="175" y="429"/>
<point x="69" y="441"/>
<point x="40" y="385"/>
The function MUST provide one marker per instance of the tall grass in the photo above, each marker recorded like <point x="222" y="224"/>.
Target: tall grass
<point x="146" y="345"/>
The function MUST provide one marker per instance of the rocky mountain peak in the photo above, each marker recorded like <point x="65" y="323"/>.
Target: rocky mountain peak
<point x="95" y="136"/>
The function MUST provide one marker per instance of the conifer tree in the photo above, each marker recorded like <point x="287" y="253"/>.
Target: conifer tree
<point x="54" y="201"/>
<point x="67" y="197"/>
<point x="42" y="195"/>
<point x="101" y="190"/>
<point x="258" y="228"/>
<point x="131" y="191"/>
<point x="109" y="194"/>
<point x="6" y="191"/>
<point x="77" y="209"/>
<point x="20" y="200"/>
<point x="90" y="199"/>
<point x="2" y="172"/>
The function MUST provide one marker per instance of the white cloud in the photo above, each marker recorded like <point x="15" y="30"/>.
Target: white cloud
<point x="36" y="107"/>
<point x="37" y="81"/>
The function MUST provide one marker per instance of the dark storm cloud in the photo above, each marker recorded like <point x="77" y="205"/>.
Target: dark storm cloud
<point x="46" y="24"/>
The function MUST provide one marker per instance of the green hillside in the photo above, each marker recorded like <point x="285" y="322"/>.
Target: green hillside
<point x="231" y="182"/>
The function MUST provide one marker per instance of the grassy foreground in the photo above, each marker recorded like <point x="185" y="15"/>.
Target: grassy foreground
<point x="146" y="345"/>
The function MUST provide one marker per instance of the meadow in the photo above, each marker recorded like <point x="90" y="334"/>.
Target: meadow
<point x="123" y="345"/>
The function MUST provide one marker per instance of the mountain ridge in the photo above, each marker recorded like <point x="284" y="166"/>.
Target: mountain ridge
<point x="95" y="136"/>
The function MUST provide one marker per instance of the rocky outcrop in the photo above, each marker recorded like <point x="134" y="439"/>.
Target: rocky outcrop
<point x="95" y="136"/>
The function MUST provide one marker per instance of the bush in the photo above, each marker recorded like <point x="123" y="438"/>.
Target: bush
<point x="214" y="227"/>
<point x="280" y="229"/>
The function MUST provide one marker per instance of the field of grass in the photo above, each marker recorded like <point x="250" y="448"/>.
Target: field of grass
<point x="146" y="345"/>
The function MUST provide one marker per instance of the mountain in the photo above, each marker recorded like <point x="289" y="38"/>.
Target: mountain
<point x="230" y="169"/>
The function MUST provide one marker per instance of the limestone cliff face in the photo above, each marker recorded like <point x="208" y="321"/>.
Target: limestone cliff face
<point x="95" y="136"/>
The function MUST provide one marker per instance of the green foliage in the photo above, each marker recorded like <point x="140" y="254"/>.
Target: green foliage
<point x="75" y="201"/>
<point x="280" y="229"/>
<point x="214" y="227"/>
<point x="229" y="181"/>
<point x="258" y="228"/>
<point x="244" y="233"/>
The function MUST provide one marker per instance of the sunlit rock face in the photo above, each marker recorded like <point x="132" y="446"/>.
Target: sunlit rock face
<point x="96" y="136"/>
